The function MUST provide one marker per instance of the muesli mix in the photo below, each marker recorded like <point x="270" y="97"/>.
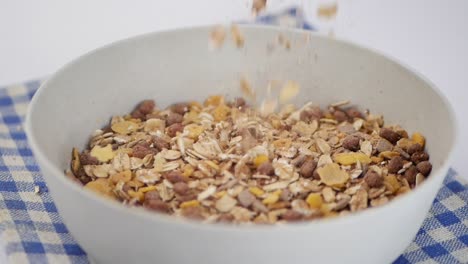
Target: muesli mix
<point x="228" y="161"/>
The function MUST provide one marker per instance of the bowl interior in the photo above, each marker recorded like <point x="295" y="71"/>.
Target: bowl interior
<point x="179" y="65"/>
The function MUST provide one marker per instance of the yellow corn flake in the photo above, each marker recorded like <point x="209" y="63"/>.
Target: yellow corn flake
<point x="375" y="159"/>
<point x="193" y="130"/>
<point x="220" y="113"/>
<point x="137" y="195"/>
<point x="389" y="154"/>
<point x="419" y="138"/>
<point x="188" y="170"/>
<point x="272" y="197"/>
<point x="75" y="164"/>
<point x="282" y="143"/>
<point x="103" y="154"/>
<point x="405" y="143"/>
<point x="289" y="91"/>
<point x="256" y="191"/>
<point x="350" y="158"/>
<point x="314" y="200"/>
<point x="332" y="175"/>
<point x="391" y="183"/>
<point x="260" y="159"/>
<point x="219" y="194"/>
<point x="214" y="100"/>
<point x="124" y="127"/>
<point x="191" y="203"/>
<point x="135" y="183"/>
<point x="124" y="176"/>
<point x="102" y="187"/>
<point x="147" y="189"/>
<point x="191" y="117"/>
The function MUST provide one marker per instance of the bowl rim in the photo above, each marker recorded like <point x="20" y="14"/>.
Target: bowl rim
<point x="170" y="219"/>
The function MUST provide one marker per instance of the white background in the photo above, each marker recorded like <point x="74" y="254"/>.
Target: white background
<point x="37" y="37"/>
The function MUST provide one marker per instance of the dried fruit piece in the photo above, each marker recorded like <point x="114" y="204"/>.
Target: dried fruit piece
<point x="424" y="167"/>
<point x="332" y="175"/>
<point x="373" y="179"/>
<point x="124" y="127"/>
<point x="266" y="168"/>
<point x="349" y="158"/>
<point x="103" y="154"/>
<point x="390" y="135"/>
<point x="351" y="142"/>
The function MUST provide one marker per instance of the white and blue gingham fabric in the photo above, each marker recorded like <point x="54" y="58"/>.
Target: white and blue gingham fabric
<point x="31" y="230"/>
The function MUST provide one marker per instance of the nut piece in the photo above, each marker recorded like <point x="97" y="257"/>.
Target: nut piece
<point x="291" y="215"/>
<point x="308" y="168"/>
<point x="390" y="135"/>
<point x="424" y="167"/>
<point x="246" y="198"/>
<point x="174" y="176"/>
<point x="181" y="187"/>
<point x="373" y="179"/>
<point x="351" y="142"/>
<point x="395" y="164"/>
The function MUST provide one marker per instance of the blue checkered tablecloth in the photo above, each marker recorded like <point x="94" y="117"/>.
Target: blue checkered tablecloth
<point x="31" y="230"/>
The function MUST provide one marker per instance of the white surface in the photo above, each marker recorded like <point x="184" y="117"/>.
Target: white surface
<point x="37" y="37"/>
<point x="133" y="64"/>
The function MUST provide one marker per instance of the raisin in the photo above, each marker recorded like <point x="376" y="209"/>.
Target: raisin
<point x="390" y="135"/>
<point x="424" y="167"/>
<point x="308" y="167"/>
<point x="266" y="168"/>
<point x="373" y="179"/>
<point x="395" y="164"/>
<point x="351" y="142"/>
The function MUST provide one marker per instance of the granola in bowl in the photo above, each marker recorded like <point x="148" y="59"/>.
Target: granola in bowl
<point x="226" y="161"/>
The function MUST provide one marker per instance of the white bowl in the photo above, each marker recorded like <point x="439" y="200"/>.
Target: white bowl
<point x="178" y="65"/>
